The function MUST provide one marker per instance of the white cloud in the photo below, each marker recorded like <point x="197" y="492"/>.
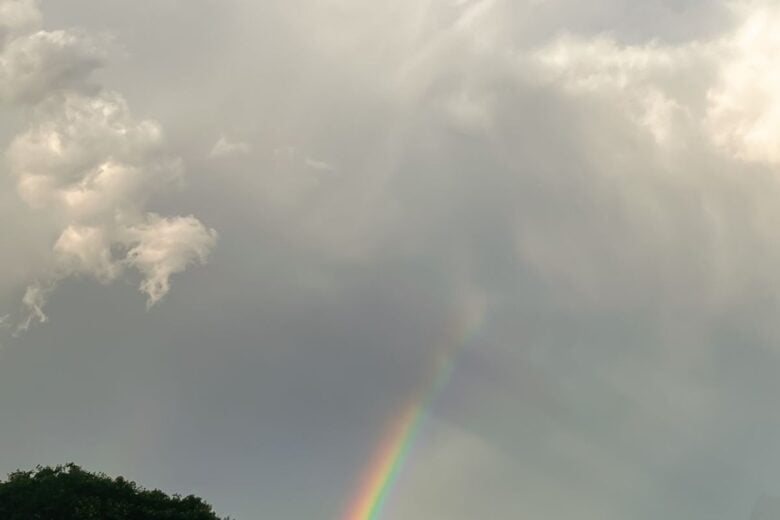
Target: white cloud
<point x="89" y="167"/>
<point x="87" y="249"/>
<point x="33" y="66"/>
<point x="87" y="157"/>
<point x="744" y="106"/>
<point x="727" y="87"/>
<point x="162" y="247"/>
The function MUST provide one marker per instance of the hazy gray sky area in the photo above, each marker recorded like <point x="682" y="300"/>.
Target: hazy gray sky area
<point x="237" y="235"/>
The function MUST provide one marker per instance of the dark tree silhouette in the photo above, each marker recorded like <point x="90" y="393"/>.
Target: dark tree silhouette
<point x="70" y="493"/>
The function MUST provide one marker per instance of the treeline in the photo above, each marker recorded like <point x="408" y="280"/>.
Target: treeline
<point x="69" y="493"/>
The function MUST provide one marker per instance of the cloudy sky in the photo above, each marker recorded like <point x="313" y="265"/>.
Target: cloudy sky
<point x="237" y="237"/>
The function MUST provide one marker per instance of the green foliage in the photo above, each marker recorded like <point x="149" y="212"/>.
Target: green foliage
<point x="70" y="493"/>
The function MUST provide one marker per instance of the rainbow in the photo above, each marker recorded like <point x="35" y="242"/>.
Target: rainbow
<point x="389" y="458"/>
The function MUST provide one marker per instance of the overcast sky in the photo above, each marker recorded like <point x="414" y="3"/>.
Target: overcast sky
<point x="237" y="235"/>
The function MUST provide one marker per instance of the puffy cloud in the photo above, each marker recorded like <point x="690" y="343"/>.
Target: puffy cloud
<point x="90" y="167"/>
<point x="87" y="157"/>
<point x="165" y="246"/>
<point x="744" y="106"/>
<point x="35" y="65"/>
<point x="725" y="88"/>
<point x="87" y="249"/>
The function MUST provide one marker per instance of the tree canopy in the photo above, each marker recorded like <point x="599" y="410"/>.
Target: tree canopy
<point x="70" y="493"/>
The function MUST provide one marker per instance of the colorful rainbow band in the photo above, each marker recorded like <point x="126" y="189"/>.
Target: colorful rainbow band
<point x="386" y="465"/>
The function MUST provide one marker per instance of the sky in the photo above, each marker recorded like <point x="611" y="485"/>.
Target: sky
<point x="240" y="239"/>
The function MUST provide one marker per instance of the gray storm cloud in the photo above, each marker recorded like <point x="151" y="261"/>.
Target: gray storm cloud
<point x="628" y="181"/>
<point x="89" y="166"/>
<point x="601" y="176"/>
